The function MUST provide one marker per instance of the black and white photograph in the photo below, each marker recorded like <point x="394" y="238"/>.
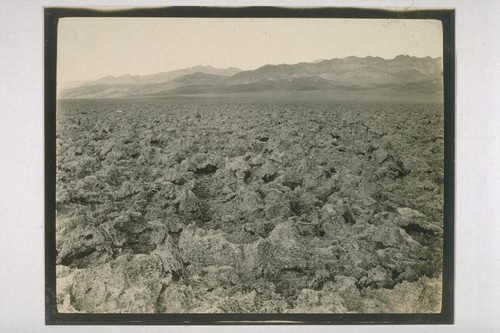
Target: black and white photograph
<point x="250" y="165"/>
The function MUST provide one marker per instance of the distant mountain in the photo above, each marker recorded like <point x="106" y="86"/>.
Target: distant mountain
<point x="164" y="77"/>
<point x="352" y="70"/>
<point x="129" y="83"/>
<point x="403" y="74"/>
<point x="226" y="86"/>
<point x="198" y="78"/>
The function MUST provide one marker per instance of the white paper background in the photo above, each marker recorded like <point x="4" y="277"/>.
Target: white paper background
<point x="477" y="306"/>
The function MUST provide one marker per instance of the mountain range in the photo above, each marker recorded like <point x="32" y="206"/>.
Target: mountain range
<point x="404" y="76"/>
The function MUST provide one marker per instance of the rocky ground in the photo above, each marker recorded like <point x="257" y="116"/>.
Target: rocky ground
<point x="223" y="206"/>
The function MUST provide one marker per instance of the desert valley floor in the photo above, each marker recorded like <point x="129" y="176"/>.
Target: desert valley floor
<point x="210" y="205"/>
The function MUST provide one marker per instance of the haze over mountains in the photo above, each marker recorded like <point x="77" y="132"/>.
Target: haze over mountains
<point x="404" y="76"/>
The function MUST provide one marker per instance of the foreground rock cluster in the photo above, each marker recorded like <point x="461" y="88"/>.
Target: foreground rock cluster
<point x="209" y="206"/>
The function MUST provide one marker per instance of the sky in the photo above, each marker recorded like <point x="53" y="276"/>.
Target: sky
<point x="91" y="48"/>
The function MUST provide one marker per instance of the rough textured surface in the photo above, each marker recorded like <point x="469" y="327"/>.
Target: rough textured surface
<point x="216" y="206"/>
<point x="130" y="283"/>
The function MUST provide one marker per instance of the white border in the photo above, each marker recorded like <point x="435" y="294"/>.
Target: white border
<point x="477" y="166"/>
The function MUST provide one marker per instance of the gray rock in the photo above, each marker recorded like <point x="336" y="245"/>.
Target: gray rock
<point x="281" y="251"/>
<point x="200" y="248"/>
<point x="176" y="298"/>
<point x="128" y="284"/>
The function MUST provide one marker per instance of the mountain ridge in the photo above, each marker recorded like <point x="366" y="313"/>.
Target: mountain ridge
<point x="424" y="74"/>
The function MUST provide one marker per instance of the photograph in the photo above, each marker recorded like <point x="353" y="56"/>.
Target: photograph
<point x="249" y="165"/>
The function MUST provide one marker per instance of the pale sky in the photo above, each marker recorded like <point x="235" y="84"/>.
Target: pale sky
<point x="91" y="48"/>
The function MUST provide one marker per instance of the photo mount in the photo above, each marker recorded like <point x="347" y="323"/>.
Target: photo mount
<point x="446" y="316"/>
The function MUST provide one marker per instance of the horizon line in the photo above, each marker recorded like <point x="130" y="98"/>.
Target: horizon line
<point x="319" y="60"/>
